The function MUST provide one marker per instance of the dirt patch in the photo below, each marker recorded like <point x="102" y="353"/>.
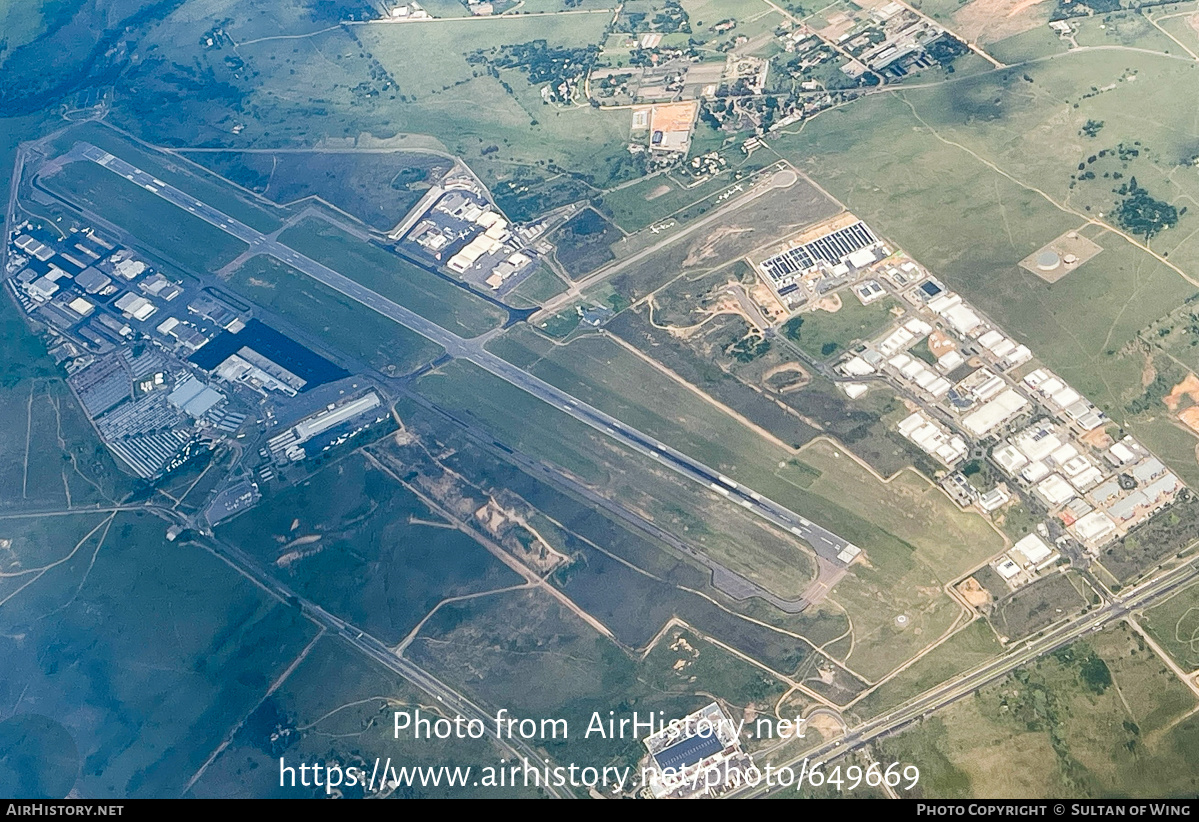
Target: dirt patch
<point x="706" y="249"/>
<point x="828" y="727"/>
<point x="1190" y="418"/>
<point x="1098" y="439"/>
<point x="768" y="301"/>
<point x="1189" y="387"/>
<point x="832" y="304"/>
<point x="1148" y="373"/>
<point x="296" y="550"/>
<point x="987" y="21"/>
<point x="658" y="192"/>
<point x="974" y="593"/>
<point x="940" y="344"/>
<point x="785" y="378"/>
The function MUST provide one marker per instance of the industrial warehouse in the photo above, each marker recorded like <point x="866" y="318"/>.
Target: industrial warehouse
<point x="463" y="232"/>
<point x="166" y="370"/>
<point x="974" y="393"/>
<point x="702" y="743"/>
<point x="822" y="258"/>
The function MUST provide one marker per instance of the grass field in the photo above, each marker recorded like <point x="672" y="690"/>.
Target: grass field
<point x="459" y="103"/>
<point x="685" y="663"/>
<point x="159" y="649"/>
<point x="971" y="646"/>
<point x="390" y="276"/>
<point x="338" y="706"/>
<point x="600" y="372"/>
<point x="340" y="322"/>
<point x="186" y="176"/>
<point x="951" y="156"/>
<point x="623" y="577"/>
<point x="160" y="227"/>
<point x="710" y="524"/>
<point x="823" y="334"/>
<point x="525" y="652"/>
<point x="539" y="287"/>
<point x="659" y="197"/>
<point x="355" y="541"/>
<point x="949" y="541"/>
<point x="376" y="187"/>
<point x="52" y="455"/>
<point x="1102" y="717"/>
<point x="915" y="538"/>
<point x="1175" y="626"/>
<point x="514" y="417"/>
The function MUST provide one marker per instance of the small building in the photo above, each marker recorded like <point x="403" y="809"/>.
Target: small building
<point x="1007" y="568"/>
<point x="131" y="305"/>
<point x="1033" y="549"/>
<point x="81" y="306"/>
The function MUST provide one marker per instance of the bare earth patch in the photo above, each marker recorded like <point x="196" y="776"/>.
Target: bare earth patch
<point x="988" y="21"/>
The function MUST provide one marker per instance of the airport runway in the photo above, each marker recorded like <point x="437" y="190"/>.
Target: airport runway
<point x="824" y="542"/>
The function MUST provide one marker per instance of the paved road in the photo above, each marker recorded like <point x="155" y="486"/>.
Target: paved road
<point x="1136" y="598"/>
<point x="827" y="544"/>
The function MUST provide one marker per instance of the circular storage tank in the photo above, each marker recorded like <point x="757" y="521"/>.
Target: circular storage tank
<point x="1048" y="260"/>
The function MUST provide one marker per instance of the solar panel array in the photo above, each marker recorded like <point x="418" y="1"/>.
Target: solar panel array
<point x="830" y="249"/>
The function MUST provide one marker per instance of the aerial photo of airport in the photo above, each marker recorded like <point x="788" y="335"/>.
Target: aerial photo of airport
<point x="572" y="399"/>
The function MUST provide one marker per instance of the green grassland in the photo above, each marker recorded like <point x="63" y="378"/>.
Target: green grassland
<point x="539" y="287"/>
<point x="329" y="315"/>
<point x="971" y="646"/>
<point x="51" y="455"/>
<point x="158" y="651"/>
<point x="874" y="598"/>
<point x="661" y="196"/>
<point x="338" y="707"/>
<point x="376" y="187"/>
<point x="367" y="549"/>
<point x="941" y="10"/>
<point x="915" y="538"/>
<point x="1175" y="626"/>
<point x="823" y="334"/>
<point x="621" y="575"/>
<point x="459" y="103"/>
<point x="619" y="383"/>
<point x="716" y="527"/>
<point x="954" y="156"/>
<point x="393" y="277"/>
<point x="515" y="418"/>
<point x="598" y="371"/>
<point x="526" y="652"/>
<point x="160" y="227"/>
<point x="1102" y="717"/>
<point x="179" y="172"/>
<point x="31" y="546"/>
<point x="682" y="662"/>
<point x="949" y="540"/>
<point x="22" y="23"/>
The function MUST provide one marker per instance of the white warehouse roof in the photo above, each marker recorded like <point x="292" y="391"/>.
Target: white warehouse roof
<point x="994" y="413"/>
